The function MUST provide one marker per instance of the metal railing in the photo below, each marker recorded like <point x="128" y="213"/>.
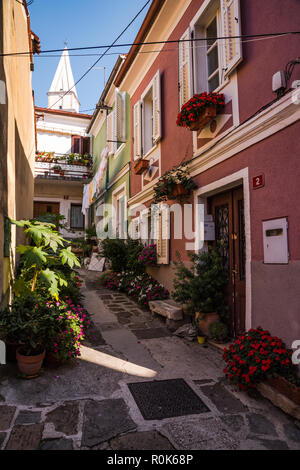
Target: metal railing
<point x="59" y="169"/>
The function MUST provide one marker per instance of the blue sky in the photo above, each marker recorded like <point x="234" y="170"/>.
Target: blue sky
<point x="81" y="23"/>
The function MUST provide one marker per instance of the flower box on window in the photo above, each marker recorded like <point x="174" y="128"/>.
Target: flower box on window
<point x="140" y="166"/>
<point x="200" y="110"/>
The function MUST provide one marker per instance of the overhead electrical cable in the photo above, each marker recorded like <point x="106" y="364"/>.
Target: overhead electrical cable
<point x="167" y="41"/>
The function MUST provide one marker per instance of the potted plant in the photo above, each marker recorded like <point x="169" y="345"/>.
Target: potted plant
<point x="199" y="110"/>
<point x="27" y="321"/>
<point x="258" y="360"/>
<point x="56" y="169"/>
<point x="140" y="166"/>
<point x="218" y="331"/>
<point x="174" y="184"/>
<point x="202" y="286"/>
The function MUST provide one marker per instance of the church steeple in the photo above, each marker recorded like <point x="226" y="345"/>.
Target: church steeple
<point x="62" y="82"/>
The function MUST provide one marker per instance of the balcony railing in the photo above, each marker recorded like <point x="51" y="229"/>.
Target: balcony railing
<point x="58" y="166"/>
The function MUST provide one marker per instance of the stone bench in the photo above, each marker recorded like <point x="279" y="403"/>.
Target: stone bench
<point x="167" y="308"/>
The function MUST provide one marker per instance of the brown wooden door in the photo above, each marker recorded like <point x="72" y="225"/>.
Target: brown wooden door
<point x="45" y="207"/>
<point x="227" y="210"/>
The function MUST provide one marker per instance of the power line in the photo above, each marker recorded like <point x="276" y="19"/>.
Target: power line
<point x="103" y="54"/>
<point x="157" y="50"/>
<point x="167" y="41"/>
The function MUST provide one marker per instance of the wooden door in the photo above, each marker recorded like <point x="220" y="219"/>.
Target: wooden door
<point x="227" y="210"/>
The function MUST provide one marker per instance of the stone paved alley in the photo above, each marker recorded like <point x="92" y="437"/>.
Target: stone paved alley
<point x="88" y="405"/>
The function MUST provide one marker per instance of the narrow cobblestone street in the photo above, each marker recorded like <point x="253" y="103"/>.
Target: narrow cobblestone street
<point x="124" y="392"/>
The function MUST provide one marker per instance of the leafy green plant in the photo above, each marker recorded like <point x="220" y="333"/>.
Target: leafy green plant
<point x="28" y="322"/>
<point x="218" y="331"/>
<point x="202" y="285"/>
<point x="122" y="254"/>
<point x="42" y="259"/>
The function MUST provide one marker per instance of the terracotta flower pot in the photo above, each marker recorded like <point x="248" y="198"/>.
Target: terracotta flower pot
<point x="29" y="365"/>
<point x="207" y="115"/>
<point x="204" y="320"/>
<point x="141" y="166"/>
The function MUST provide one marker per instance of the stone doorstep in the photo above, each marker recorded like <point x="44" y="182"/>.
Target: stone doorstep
<point x="167" y="308"/>
<point x="279" y="400"/>
<point x="220" y="346"/>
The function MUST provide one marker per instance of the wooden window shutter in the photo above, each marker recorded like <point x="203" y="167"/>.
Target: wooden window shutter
<point x="162" y="244"/>
<point x="231" y="21"/>
<point x="85" y="145"/>
<point x="137" y="142"/>
<point x="110" y="133"/>
<point x="156" y="108"/>
<point x="135" y="228"/>
<point x="120" y="116"/>
<point x="75" y="144"/>
<point x="185" y="75"/>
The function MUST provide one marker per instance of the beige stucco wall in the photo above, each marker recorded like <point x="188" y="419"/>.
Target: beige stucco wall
<point x="17" y="145"/>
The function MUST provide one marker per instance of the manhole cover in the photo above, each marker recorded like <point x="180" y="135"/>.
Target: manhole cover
<point x="149" y="333"/>
<point x="166" y="399"/>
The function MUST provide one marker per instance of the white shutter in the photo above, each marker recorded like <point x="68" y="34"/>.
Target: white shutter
<point x="156" y="108"/>
<point x="185" y="75"/>
<point x="110" y="132"/>
<point x="231" y="21"/>
<point x="137" y="147"/>
<point x="135" y="228"/>
<point x="120" y="116"/>
<point x="162" y="244"/>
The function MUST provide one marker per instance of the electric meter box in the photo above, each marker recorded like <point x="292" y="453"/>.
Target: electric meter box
<point x="275" y="241"/>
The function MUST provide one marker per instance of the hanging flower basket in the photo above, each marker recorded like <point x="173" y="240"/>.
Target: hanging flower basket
<point x="196" y="113"/>
<point x="140" y="166"/>
<point x="174" y="184"/>
<point x="179" y="190"/>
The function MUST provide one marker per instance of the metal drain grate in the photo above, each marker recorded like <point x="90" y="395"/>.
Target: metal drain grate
<point x="166" y="399"/>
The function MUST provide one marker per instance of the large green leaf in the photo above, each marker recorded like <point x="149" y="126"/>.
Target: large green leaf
<point x="68" y="257"/>
<point x="19" y="223"/>
<point x="32" y="255"/>
<point x="51" y="279"/>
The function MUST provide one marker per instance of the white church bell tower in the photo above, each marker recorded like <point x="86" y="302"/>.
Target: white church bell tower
<point x="62" y="82"/>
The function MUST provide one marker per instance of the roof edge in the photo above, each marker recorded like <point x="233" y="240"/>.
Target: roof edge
<point x="151" y="16"/>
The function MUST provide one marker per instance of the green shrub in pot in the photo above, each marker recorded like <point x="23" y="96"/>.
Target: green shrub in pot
<point x="218" y="331"/>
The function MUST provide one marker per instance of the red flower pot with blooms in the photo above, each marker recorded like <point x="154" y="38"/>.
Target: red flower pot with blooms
<point x="256" y="356"/>
<point x="199" y="110"/>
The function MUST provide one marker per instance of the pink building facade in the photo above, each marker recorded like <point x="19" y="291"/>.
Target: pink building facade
<point x="245" y="162"/>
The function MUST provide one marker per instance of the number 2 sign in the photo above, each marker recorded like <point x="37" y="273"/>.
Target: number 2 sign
<point x="258" y="181"/>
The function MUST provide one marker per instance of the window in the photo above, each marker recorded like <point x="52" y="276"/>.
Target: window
<point x="212" y="56"/>
<point x="120" y="213"/>
<point x="80" y="144"/>
<point x="147" y="119"/>
<point x="76" y="217"/>
<point x="205" y="65"/>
